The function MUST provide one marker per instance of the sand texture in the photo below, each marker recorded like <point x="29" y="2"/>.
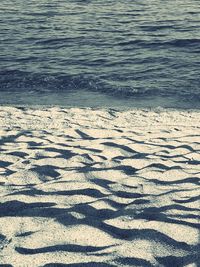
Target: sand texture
<point x="91" y="187"/>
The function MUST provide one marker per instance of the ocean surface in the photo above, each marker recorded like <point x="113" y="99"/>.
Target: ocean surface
<point x="143" y="53"/>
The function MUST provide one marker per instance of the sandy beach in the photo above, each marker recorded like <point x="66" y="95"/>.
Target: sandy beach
<point x="99" y="187"/>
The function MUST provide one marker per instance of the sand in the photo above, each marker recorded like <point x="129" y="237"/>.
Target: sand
<point x="99" y="187"/>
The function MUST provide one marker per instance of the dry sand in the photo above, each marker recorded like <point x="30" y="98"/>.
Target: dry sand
<point x="91" y="187"/>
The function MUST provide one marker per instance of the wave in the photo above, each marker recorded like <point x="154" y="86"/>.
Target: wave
<point x="15" y="81"/>
<point x="179" y="43"/>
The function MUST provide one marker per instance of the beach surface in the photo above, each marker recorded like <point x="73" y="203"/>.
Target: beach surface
<point x="99" y="187"/>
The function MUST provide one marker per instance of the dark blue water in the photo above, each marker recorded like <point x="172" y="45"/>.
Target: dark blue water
<point x="92" y="52"/>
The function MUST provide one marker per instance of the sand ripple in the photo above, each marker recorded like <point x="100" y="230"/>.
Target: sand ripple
<point x="84" y="187"/>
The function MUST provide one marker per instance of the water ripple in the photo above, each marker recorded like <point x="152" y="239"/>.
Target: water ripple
<point x="133" y="48"/>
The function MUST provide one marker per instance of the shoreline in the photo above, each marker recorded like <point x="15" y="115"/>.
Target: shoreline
<point x="117" y="108"/>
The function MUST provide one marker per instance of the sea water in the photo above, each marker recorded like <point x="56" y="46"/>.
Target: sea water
<point x="100" y="53"/>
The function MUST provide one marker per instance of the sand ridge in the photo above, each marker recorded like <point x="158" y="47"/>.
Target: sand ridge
<point x="99" y="187"/>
